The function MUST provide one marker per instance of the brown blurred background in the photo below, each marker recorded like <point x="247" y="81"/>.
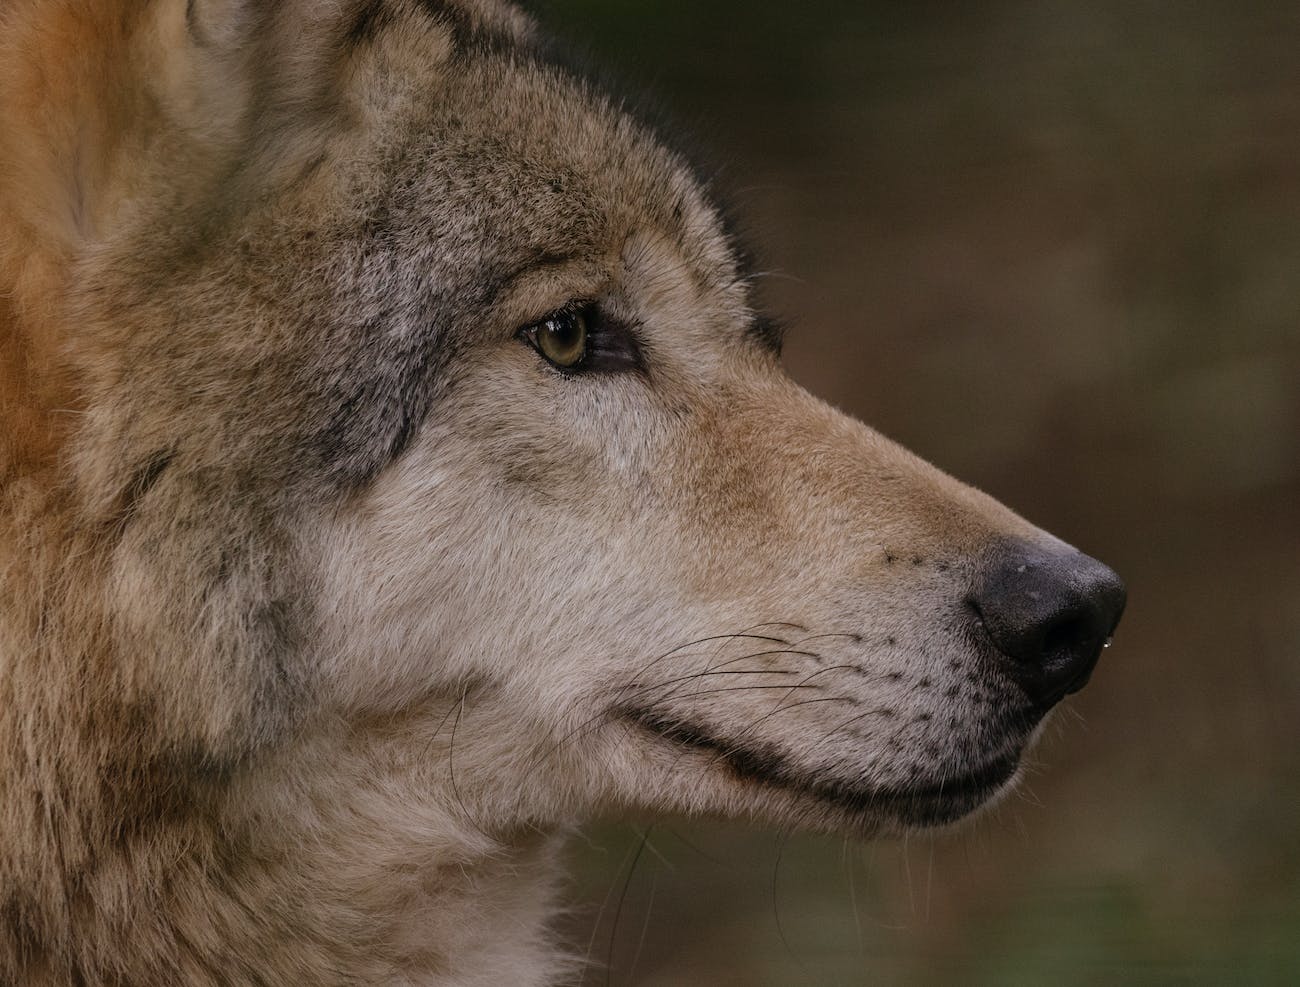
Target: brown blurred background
<point x="1054" y="247"/>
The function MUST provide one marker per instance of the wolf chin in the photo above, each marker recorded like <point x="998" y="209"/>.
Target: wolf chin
<point x="394" y="475"/>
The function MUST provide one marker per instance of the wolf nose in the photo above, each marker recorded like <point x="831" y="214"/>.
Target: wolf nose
<point x="1050" y="612"/>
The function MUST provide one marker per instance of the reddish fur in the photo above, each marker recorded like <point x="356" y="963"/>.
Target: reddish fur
<point x="63" y="90"/>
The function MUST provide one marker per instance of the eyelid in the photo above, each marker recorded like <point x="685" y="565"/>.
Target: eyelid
<point x="612" y="345"/>
<point x="532" y="328"/>
<point x="535" y="293"/>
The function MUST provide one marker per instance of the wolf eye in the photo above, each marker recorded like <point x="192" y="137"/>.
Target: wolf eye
<point x="581" y="338"/>
<point x="561" y="338"/>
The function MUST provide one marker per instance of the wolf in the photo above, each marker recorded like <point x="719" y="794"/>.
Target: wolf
<point x="395" y="473"/>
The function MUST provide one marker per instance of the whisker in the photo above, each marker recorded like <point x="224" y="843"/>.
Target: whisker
<point x="717" y="671"/>
<point x="876" y="711"/>
<point x="804" y="702"/>
<point x="618" y="910"/>
<point x="777" y="623"/>
<point x="441" y="723"/>
<point x="713" y="637"/>
<point x="822" y="637"/>
<point x="630" y="691"/>
<point x="748" y="688"/>
<point x="734" y="743"/>
<point x="600" y="913"/>
<point x="645" y="925"/>
<point x="451" y="766"/>
<point x="822" y="671"/>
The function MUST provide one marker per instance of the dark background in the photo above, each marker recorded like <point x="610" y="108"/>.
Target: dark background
<point x="1053" y="247"/>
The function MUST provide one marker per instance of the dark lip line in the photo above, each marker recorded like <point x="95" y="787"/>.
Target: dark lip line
<point x="772" y="769"/>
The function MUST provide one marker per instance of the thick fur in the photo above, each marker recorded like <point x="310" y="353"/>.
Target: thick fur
<point x="327" y="607"/>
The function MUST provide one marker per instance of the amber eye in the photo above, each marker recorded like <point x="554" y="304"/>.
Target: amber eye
<point x="561" y="338"/>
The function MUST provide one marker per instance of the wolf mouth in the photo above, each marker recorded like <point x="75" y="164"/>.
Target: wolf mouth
<point x="924" y="804"/>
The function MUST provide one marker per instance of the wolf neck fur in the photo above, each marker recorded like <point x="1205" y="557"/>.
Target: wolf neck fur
<point x="380" y="825"/>
<point x="347" y="856"/>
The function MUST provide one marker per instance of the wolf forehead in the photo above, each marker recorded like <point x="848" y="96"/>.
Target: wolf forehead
<point x="361" y="259"/>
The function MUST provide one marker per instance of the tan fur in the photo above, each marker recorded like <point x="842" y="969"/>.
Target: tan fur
<point x="327" y="607"/>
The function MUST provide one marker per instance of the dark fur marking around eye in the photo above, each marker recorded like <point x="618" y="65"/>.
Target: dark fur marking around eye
<point x="375" y="417"/>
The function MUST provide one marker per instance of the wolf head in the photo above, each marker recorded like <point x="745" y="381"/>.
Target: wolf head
<point x="379" y="390"/>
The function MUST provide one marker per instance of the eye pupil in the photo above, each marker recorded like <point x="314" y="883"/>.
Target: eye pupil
<point x="562" y="338"/>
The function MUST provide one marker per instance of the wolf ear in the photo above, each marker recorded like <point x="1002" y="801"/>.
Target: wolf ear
<point x="78" y="91"/>
<point x="93" y="95"/>
<point x="252" y="80"/>
<point x="205" y="54"/>
<point x="97" y="98"/>
<point x="238" y="74"/>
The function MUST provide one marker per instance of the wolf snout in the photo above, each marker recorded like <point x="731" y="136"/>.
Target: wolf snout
<point x="1049" y="612"/>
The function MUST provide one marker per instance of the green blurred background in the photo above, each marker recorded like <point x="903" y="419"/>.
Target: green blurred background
<point x="1054" y="247"/>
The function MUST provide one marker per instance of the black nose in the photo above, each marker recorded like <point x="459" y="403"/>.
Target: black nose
<point x="1050" y="611"/>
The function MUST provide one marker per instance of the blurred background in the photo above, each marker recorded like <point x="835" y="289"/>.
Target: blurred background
<point x="1053" y="247"/>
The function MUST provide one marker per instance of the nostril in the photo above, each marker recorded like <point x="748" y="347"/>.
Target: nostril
<point x="1070" y="651"/>
<point x="1064" y="637"/>
<point x="1049" y="612"/>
